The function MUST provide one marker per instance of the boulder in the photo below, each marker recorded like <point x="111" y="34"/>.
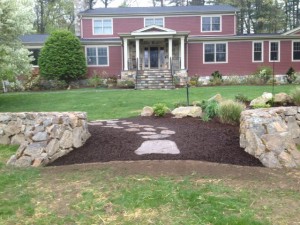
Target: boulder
<point x="4" y="140"/>
<point x="40" y="136"/>
<point x="218" y="98"/>
<point x="77" y="137"/>
<point x="282" y="98"/>
<point x="52" y="147"/>
<point x="66" y="140"/>
<point x="35" y="149"/>
<point x="24" y="161"/>
<point x="17" y="139"/>
<point x="147" y="111"/>
<point x="271" y="136"/>
<point x="262" y="99"/>
<point x="193" y="111"/>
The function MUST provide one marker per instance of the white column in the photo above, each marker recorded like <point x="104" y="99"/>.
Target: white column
<point x="137" y="52"/>
<point x="170" y="51"/>
<point x="182" y="59"/>
<point x="125" y="54"/>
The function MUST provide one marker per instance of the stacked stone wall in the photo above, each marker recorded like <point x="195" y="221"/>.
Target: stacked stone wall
<point x="272" y="135"/>
<point x="43" y="137"/>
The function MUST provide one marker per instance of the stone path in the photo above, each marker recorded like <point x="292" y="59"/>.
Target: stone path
<point x="154" y="136"/>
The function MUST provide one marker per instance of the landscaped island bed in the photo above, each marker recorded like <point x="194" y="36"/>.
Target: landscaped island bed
<point x="197" y="140"/>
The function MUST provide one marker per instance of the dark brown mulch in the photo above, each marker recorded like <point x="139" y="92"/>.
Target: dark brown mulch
<point x="197" y="140"/>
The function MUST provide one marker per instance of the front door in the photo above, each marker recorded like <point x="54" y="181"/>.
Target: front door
<point x="153" y="57"/>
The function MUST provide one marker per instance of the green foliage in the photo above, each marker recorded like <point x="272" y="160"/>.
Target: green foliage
<point x="295" y="94"/>
<point x="16" y="19"/>
<point x="205" y="118"/>
<point x="126" y="84"/>
<point x="241" y="98"/>
<point x="62" y="57"/>
<point x="290" y="75"/>
<point x="160" y="109"/>
<point x="210" y="108"/>
<point x="264" y="73"/>
<point x="258" y="106"/>
<point x="216" y="78"/>
<point x="193" y="81"/>
<point x="230" y="112"/>
<point x="95" y="80"/>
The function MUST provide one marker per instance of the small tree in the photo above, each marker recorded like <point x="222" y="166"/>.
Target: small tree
<point x="62" y="57"/>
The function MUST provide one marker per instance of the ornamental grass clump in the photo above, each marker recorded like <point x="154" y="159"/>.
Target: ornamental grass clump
<point x="230" y="111"/>
<point x="295" y="94"/>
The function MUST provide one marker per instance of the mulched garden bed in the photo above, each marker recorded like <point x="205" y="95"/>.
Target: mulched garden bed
<point x="197" y="140"/>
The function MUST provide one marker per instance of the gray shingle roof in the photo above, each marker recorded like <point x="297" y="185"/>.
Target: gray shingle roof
<point x="34" y="38"/>
<point x="161" y="10"/>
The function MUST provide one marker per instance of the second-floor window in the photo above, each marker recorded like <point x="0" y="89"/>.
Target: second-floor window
<point x="274" y="51"/>
<point x="102" y="26"/>
<point x="158" y="21"/>
<point x="215" y="53"/>
<point x="211" y="23"/>
<point x="97" y="56"/>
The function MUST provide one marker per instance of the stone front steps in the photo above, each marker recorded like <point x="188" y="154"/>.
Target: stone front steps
<point x="154" y="79"/>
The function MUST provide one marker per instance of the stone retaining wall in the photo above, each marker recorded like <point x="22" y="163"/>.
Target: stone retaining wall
<point x="43" y="136"/>
<point x="271" y="135"/>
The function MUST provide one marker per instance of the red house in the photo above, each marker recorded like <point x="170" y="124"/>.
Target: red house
<point x="156" y="43"/>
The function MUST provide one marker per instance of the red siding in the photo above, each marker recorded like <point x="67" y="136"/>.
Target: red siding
<point x="115" y="63"/>
<point x="239" y="59"/>
<point x="120" y="25"/>
<point x="180" y="23"/>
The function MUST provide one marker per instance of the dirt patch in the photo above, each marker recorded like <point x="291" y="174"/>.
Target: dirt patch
<point x="197" y="140"/>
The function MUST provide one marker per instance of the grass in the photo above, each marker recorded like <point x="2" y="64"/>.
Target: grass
<point x="106" y="104"/>
<point x="41" y="196"/>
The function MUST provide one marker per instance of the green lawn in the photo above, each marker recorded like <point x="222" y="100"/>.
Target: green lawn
<point x="99" y="196"/>
<point x="107" y="103"/>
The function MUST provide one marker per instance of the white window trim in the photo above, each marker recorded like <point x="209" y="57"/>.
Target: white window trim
<point x="97" y="46"/>
<point x="262" y="51"/>
<point x="278" y="60"/>
<point x="112" y="26"/>
<point x="292" y="50"/>
<point x="205" y="43"/>
<point x="154" y="17"/>
<point x="212" y="31"/>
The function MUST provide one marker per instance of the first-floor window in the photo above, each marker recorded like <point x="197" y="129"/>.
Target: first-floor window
<point x="274" y="51"/>
<point x="35" y="53"/>
<point x="296" y="50"/>
<point x="97" y="56"/>
<point x="216" y="52"/>
<point x="257" y="51"/>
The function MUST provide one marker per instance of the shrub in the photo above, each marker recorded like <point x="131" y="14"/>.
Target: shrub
<point x="216" y="78"/>
<point x="95" y="80"/>
<point x="210" y="108"/>
<point x="264" y="73"/>
<point x="230" y="112"/>
<point x="241" y="98"/>
<point x="160" y="109"/>
<point x="295" y="94"/>
<point x="62" y="57"/>
<point x="232" y="80"/>
<point x="290" y="75"/>
<point x="193" y="81"/>
<point x="126" y="84"/>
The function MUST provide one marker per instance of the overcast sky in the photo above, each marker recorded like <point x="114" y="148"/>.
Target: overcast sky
<point x="134" y="3"/>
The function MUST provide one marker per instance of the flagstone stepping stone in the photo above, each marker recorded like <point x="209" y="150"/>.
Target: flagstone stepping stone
<point x="132" y="129"/>
<point x="156" y="136"/>
<point x="158" y="147"/>
<point x="149" y="129"/>
<point x="163" y="128"/>
<point x="126" y="123"/>
<point x="95" y="124"/>
<point x="146" y="133"/>
<point x="168" y="132"/>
